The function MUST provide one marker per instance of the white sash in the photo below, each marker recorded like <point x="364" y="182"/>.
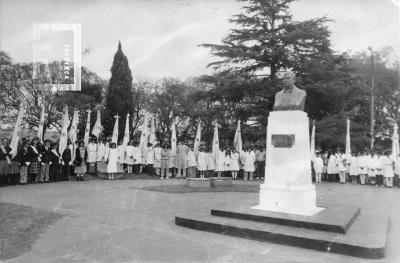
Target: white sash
<point x="6" y="154"/>
<point x="35" y="150"/>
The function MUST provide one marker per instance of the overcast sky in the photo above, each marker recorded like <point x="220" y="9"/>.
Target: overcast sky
<point x="161" y="37"/>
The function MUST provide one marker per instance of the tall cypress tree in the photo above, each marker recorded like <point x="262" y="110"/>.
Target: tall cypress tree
<point x="119" y="97"/>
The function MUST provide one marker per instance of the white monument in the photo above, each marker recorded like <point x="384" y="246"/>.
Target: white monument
<point x="288" y="187"/>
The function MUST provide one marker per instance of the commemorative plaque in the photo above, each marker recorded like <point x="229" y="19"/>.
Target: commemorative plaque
<point x="282" y="140"/>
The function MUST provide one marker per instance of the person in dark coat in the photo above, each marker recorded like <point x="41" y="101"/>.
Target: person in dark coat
<point x="55" y="166"/>
<point x="23" y="162"/>
<point x="35" y="160"/>
<point x="5" y="162"/>
<point x="66" y="169"/>
<point x="81" y="156"/>
<point x="46" y="162"/>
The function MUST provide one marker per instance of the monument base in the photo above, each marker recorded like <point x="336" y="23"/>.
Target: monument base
<point x="294" y="200"/>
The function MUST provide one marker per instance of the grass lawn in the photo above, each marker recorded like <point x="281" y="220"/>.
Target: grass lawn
<point x="20" y="227"/>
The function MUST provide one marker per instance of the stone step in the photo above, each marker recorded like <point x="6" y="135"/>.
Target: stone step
<point x="366" y="238"/>
<point x="332" y="219"/>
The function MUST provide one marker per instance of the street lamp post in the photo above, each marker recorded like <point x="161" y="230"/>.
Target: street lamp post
<point x="372" y="131"/>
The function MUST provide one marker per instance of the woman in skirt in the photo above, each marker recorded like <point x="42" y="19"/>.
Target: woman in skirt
<point x="234" y="164"/>
<point x="35" y="159"/>
<point x="80" y="161"/>
<point x="5" y="162"/>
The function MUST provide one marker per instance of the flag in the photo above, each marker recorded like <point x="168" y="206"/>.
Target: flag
<point x="173" y="138"/>
<point x="64" y="129"/>
<point x="73" y="132"/>
<point x="395" y="143"/>
<point x="144" y="137"/>
<point x="312" y="148"/>
<point x="237" y="141"/>
<point x="153" y="139"/>
<point x="87" y="129"/>
<point x="348" y="147"/>
<point x="114" y="137"/>
<point x="97" y="128"/>
<point x="17" y="129"/>
<point x="41" y="124"/>
<point x="215" y="146"/>
<point x="126" y="134"/>
<point x="197" y="140"/>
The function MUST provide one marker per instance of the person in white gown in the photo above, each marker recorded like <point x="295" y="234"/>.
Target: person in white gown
<point x="332" y="168"/>
<point x="112" y="158"/>
<point x="318" y="167"/>
<point x="202" y="161"/>
<point x="353" y="168"/>
<point x="388" y="169"/>
<point x="234" y="164"/>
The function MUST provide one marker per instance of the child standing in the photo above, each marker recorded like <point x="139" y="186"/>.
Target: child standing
<point x="379" y="170"/>
<point x="318" y="167"/>
<point x="112" y="161"/>
<point x="388" y="168"/>
<point x="362" y="167"/>
<point x="191" y="163"/>
<point x="210" y="163"/>
<point x="234" y="164"/>
<point x="165" y="152"/>
<point x="129" y="157"/>
<point x="157" y="159"/>
<point x="202" y="161"/>
<point x="23" y="161"/>
<point x="80" y="161"/>
<point x="353" y="168"/>
<point x="150" y="159"/>
<point x="219" y="162"/>
<point x="249" y="159"/>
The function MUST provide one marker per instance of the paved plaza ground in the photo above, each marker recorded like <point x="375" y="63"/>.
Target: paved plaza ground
<point x="118" y="221"/>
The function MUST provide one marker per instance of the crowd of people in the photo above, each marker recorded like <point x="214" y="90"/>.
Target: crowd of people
<point x="373" y="167"/>
<point x="37" y="162"/>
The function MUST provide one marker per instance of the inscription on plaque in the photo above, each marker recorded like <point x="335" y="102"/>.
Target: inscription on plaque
<point x="282" y="140"/>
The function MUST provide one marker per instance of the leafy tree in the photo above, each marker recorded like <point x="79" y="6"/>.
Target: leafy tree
<point x="267" y="37"/>
<point x="119" y="94"/>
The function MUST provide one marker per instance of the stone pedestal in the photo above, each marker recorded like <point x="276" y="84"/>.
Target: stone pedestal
<point x="197" y="182"/>
<point x="220" y="181"/>
<point x="288" y="186"/>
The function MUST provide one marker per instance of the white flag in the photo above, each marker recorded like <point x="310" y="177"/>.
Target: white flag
<point x="41" y="124"/>
<point x="348" y="147"/>
<point x="126" y="134"/>
<point x="312" y="147"/>
<point x="73" y="132"/>
<point x="97" y="128"/>
<point x="215" y="146"/>
<point x="173" y="138"/>
<point x="144" y="137"/>
<point x="153" y="138"/>
<point x="197" y="140"/>
<point x="395" y="143"/>
<point x="237" y="141"/>
<point x="87" y="129"/>
<point x="64" y="133"/>
<point x="114" y="137"/>
<point x="17" y="129"/>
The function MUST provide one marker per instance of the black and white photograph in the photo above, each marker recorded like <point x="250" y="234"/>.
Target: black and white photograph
<point x="199" y="131"/>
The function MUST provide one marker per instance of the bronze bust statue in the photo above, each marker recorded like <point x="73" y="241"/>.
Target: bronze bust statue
<point x="290" y="97"/>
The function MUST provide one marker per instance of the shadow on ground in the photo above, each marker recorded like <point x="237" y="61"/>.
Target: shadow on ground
<point x="20" y="227"/>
